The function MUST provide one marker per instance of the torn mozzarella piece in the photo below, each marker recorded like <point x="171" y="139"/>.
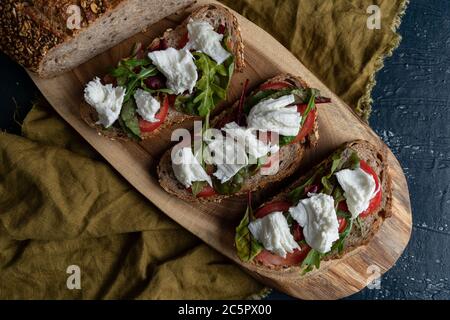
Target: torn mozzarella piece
<point x="228" y="156"/>
<point x="106" y="100"/>
<point x="318" y="218"/>
<point x="187" y="169"/>
<point x="245" y="137"/>
<point x="359" y="189"/>
<point x="276" y="115"/>
<point x="178" y="67"/>
<point x="147" y="106"/>
<point x="203" y="38"/>
<point x="273" y="232"/>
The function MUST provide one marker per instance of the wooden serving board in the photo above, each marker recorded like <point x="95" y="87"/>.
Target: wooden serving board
<point x="215" y="223"/>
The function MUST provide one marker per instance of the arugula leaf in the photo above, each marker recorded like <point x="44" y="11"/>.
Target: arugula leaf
<point x="338" y="195"/>
<point x="126" y="75"/>
<point x="129" y="120"/>
<point x="296" y="194"/>
<point x="327" y="181"/>
<point x="247" y="247"/>
<point x="234" y="184"/>
<point x="312" y="260"/>
<point x="285" y="140"/>
<point x="327" y="185"/>
<point x="354" y="160"/>
<point x="211" y="88"/>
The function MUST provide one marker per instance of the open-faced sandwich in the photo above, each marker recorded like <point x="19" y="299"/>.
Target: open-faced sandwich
<point x="336" y="207"/>
<point x="259" y="140"/>
<point x="184" y="74"/>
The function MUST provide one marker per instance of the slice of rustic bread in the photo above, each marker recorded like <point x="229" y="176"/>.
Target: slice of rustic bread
<point x="53" y="36"/>
<point x="289" y="158"/>
<point x="214" y="14"/>
<point x="376" y="159"/>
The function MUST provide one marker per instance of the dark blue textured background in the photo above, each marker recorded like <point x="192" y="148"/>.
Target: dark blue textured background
<point x="411" y="114"/>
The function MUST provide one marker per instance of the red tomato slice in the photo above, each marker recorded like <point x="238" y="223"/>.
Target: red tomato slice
<point x="376" y="200"/>
<point x="342" y="224"/>
<point x="308" y="126"/>
<point x="282" y="206"/>
<point x="207" y="191"/>
<point x="273" y="86"/>
<point x="292" y="259"/>
<point x="147" y="126"/>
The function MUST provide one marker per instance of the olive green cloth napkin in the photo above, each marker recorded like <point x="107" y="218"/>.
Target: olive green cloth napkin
<point x="65" y="213"/>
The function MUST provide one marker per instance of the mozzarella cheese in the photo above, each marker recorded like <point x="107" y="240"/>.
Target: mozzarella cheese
<point x="187" y="169"/>
<point x="178" y="67"/>
<point x="272" y="231"/>
<point x="359" y="189"/>
<point x="276" y="115"/>
<point x="318" y="218"/>
<point x="147" y="106"/>
<point x="106" y="100"/>
<point x="245" y="137"/>
<point x="202" y="37"/>
<point x="228" y="156"/>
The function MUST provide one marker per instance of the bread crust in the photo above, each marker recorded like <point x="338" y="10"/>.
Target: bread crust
<point x="290" y="156"/>
<point x="30" y="30"/>
<point x="212" y="13"/>
<point x="376" y="158"/>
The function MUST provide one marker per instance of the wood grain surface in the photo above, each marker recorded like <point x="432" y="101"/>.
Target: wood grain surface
<point x="215" y="223"/>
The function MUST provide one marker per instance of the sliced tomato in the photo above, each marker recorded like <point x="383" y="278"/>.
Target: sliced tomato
<point x="292" y="259"/>
<point x="342" y="224"/>
<point x="308" y="126"/>
<point x="147" y="126"/>
<point x="274" y="86"/>
<point x="281" y="206"/>
<point x="376" y="200"/>
<point x="207" y="191"/>
<point x="183" y="41"/>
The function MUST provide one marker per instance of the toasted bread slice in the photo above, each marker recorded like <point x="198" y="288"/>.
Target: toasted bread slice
<point x="289" y="157"/>
<point x="217" y="16"/>
<point x="376" y="159"/>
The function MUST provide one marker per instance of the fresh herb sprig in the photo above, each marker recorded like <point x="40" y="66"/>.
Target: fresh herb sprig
<point x="247" y="247"/>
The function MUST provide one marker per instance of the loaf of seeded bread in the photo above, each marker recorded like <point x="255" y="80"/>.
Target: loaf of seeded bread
<point x="53" y="36"/>
<point x="289" y="157"/>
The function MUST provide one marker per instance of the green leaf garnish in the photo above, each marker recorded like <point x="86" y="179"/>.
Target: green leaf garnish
<point x="312" y="260"/>
<point x="129" y="120"/>
<point x="210" y="89"/>
<point x="247" y="247"/>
